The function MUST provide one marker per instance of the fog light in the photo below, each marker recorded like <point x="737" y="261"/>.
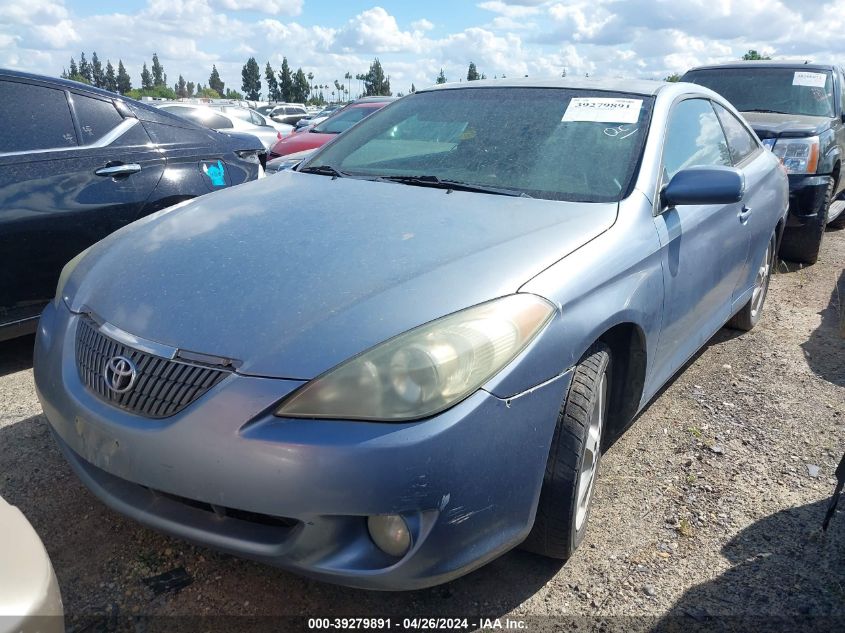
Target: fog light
<point x="390" y="533"/>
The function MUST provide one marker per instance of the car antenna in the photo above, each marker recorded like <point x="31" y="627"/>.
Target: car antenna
<point x="837" y="492"/>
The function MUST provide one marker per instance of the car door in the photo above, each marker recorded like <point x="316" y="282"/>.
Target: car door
<point x="72" y="170"/>
<point x="760" y="202"/>
<point x="704" y="247"/>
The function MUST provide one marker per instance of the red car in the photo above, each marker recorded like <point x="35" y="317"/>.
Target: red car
<point x="322" y="133"/>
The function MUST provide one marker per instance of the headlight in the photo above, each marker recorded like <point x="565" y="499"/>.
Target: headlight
<point x="798" y="155"/>
<point x="427" y="369"/>
<point x="67" y="271"/>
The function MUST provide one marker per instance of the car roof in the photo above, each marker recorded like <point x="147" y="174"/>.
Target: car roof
<point x="634" y="86"/>
<point x="64" y="83"/>
<point x="796" y="64"/>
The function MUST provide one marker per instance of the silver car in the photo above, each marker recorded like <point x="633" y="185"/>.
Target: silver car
<point x="223" y="122"/>
<point x="404" y="357"/>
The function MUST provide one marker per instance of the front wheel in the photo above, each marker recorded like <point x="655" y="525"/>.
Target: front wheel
<point x="567" y="493"/>
<point x="751" y="312"/>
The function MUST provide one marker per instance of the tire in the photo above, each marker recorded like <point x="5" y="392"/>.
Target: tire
<point x="839" y="222"/>
<point x="803" y="244"/>
<point x="752" y="311"/>
<point x="561" y="521"/>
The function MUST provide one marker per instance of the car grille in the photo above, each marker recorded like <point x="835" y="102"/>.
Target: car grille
<point x="162" y="386"/>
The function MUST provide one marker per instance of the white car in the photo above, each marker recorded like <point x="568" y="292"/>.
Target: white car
<point x="30" y="600"/>
<point x="254" y="117"/>
<point x="223" y="121"/>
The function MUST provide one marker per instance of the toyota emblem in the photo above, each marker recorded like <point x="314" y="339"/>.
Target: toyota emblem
<point x="120" y="374"/>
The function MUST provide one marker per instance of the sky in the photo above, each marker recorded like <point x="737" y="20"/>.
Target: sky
<point x="415" y="39"/>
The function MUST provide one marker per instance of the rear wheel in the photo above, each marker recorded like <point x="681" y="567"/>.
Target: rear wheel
<point x="751" y="312"/>
<point x="567" y="493"/>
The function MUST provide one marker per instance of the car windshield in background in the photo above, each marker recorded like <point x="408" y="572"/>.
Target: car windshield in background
<point x="342" y="121"/>
<point x="558" y="144"/>
<point x="780" y="90"/>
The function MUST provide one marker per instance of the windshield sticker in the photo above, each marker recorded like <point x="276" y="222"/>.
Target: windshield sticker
<point x="216" y="173"/>
<point x="812" y="80"/>
<point x="603" y="110"/>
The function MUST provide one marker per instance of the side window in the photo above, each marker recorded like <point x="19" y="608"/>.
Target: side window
<point x="96" y="117"/>
<point x="34" y="117"/>
<point x="209" y="119"/>
<point x="694" y="138"/>
<point x="740" y="141"/>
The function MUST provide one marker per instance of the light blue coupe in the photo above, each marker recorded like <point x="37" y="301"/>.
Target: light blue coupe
<point x="403" y="358"/>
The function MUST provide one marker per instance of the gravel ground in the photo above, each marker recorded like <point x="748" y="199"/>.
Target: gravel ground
<point x="710" y="505"/>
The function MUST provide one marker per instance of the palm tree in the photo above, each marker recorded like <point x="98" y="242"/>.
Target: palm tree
<point x="348" y="78"/>
<point x="310" y="84"/>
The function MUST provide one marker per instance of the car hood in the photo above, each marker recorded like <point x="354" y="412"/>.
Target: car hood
<point x="301" y="141"/>
<point x="293" y="274"/>
<point x="771" y="125"/>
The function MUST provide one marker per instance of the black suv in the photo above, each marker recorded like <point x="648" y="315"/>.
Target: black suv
<point x="77" y="163"/>
<point x="797" y="111"/>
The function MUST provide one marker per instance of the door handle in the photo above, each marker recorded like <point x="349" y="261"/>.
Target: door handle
<point x="119" y="170"/>
<point x="744" y="214"/>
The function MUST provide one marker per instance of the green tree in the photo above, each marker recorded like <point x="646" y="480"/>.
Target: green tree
<point x="85" y="69"/>
<point x="146" y="78"/>
<point x="157" y="92"/>
<point x="753" y="55"/>
<point x="673" y="77"/>
<point x="375" y="83"/>
<point x="285" y="82"/>
<point x="272" y="84"/>
<point x="208" y="93"/>
<point x="472" y="72"/>
<point x="124" y="82"/>
<point x="300" y="87"/>
<point x="110" y="79"/>
<point x="181" y="88"/>
<point x="233" y="94"/>
<point x="159" y="78"/>
<point x="98" y="77"/>
<point x="310" y="82"/>
<point x="189" y="89"/>
<point x="73" y="70"/>
<point x="441" y="78"/>
<point x="413" y="88"/>
<point x="215" y="83"/>
<point x="251" y="75"/>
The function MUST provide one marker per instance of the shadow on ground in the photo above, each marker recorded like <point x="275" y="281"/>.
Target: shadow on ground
<point x="16" y="354"/>
<point x="786" y="575"/>
<point x="825" y="349"/>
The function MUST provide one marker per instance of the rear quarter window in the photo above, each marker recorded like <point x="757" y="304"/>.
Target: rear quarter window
<point x="34" y="117"/>
<point x="97" y="117"/>
<point x="740" y="142"/>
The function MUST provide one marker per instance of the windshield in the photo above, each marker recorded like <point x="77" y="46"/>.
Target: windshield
<point x="553" y="143"/>
<point x="344" y="120"/>
<point x="783" y="90"/>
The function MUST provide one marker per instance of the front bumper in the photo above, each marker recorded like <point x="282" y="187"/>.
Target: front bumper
<point x="806" y="199"/>
<point x="226" y="473"/>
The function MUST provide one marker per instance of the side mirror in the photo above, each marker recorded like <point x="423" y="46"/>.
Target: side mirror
<point x="704" y="185"/>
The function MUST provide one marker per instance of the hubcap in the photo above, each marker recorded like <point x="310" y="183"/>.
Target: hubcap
<point x="761" y="283"/>
<point x="590" y="460"/>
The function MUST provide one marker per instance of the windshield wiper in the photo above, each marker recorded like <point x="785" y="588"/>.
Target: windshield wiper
<point x="766" y="111"/>
<point x="323" y="170"/>
<point x="452" y="185"/>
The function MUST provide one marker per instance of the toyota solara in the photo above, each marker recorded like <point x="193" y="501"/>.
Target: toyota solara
<point x="401" y="359"/>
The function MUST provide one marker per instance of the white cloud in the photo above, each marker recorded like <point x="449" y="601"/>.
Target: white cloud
<point x="376" y="31"/>
<point x="511" y="9"/>
<point x="273" y="7"/>
<point x="422" y="25"/>
<point x="57" y="35"/>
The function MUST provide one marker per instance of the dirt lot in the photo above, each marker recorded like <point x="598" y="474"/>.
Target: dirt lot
<point x="710" y="505"/>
